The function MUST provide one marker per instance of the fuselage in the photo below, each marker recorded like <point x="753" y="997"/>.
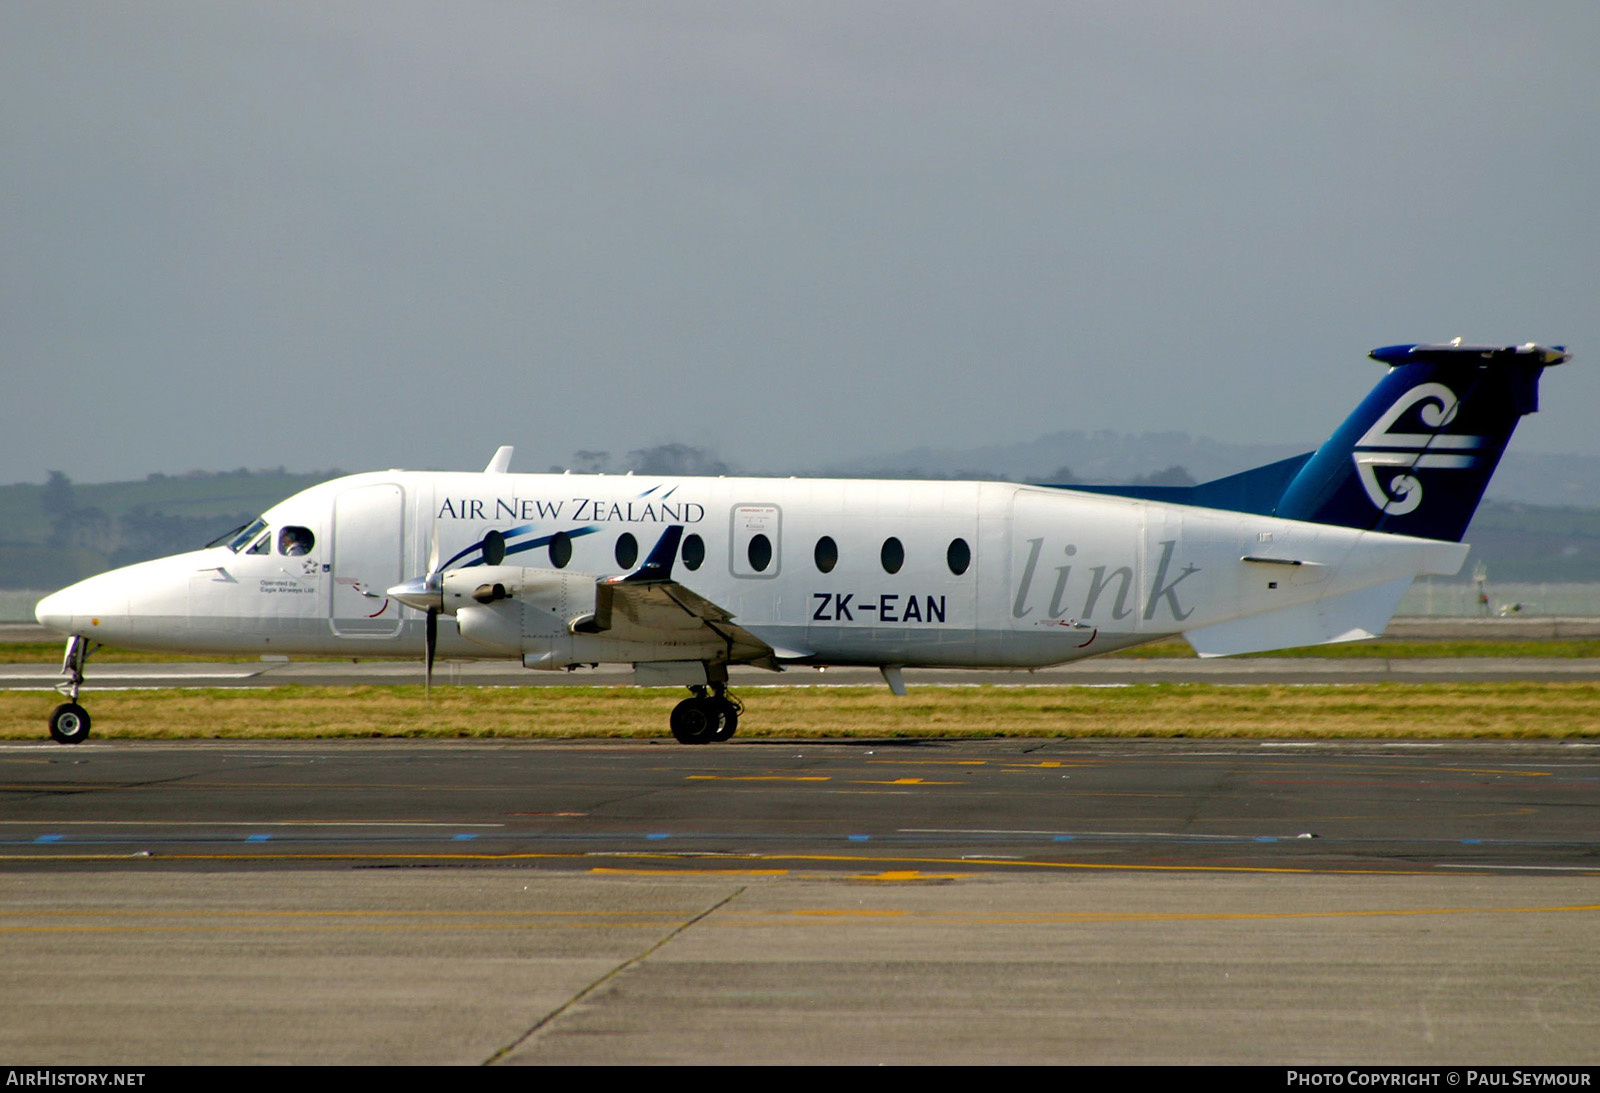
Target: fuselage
<point x="825" y="571"/>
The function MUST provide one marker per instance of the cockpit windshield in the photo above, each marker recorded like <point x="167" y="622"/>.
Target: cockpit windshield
<point x="240" y="537"/>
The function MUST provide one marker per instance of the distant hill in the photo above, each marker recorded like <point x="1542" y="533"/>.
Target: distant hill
<point x="54" y="533"/>
<point x="1104" y="457"/>
<point x="1115" y="458"/>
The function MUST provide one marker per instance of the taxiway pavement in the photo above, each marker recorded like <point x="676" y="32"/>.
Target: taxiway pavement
<point x="769" y="901"/>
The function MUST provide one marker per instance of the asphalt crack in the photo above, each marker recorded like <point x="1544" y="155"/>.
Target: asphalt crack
<point x="632" y="962"/>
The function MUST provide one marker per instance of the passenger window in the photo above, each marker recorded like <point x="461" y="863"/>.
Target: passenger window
<point x="494" y="547"/>
<point x="760" y="552"/>
<point x="827" y="554"/>
<point x="959" y="556"/>
<point x="560" y="549"/>
<point x="295" y="541"/>
<point x="694" y="552"/>
<point x="627" y="550"/>
<point x="893" y="555"/>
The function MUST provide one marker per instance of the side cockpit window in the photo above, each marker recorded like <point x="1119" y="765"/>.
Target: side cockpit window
<point x="262" y="545"/>
<point x="296" y="541"/>
<point x="240" y="537"/>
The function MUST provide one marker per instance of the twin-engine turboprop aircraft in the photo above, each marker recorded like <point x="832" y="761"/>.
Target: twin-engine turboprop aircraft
<point x="779" y="572"/>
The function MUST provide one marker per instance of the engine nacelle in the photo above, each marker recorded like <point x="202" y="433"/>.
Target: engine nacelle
<point x="512" y="609"/>
<point x="561" y="596"/>
<point x="496" y="626"/>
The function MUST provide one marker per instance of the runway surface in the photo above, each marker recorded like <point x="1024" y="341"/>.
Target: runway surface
<point x="994" y="901"/>
<point x="1040" y="804"/>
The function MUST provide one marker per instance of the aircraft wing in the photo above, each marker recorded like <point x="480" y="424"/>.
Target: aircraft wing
<point x="667" y="611"/>
<point x="647" y="605"/>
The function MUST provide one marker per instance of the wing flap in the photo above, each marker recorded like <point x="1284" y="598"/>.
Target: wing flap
<point x="664" y="611"/>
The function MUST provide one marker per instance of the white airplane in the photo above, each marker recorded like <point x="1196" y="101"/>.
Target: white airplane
<point x="683" y="577"/>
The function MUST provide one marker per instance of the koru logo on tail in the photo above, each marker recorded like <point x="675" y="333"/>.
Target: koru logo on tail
<point x="1379" y="448"/>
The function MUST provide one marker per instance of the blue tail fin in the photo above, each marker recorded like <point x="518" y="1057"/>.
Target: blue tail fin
<point x="1417" y="454"/>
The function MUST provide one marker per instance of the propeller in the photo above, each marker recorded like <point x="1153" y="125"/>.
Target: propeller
<point x="426" y="594"/>
<point x="434" y="582"/>
<point x="432" y="643"/>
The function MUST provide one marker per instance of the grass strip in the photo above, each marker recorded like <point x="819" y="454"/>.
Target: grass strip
<point x="1171" y="710"/>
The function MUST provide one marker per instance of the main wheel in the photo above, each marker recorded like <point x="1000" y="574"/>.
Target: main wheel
<point x="69" y="723"/>
<point x="730" y="720"/>
<point x="696" y="720"/>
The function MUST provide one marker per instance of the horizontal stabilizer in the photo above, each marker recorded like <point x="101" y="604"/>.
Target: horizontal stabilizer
<point x="1351" y="617"/>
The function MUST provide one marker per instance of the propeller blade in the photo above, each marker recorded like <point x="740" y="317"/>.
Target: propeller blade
<point x="432" y="642"/>
<point x="434" y="582"/>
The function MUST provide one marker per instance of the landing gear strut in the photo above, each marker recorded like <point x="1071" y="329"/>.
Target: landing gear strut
<point x="704" y="718"/>
<point x="69" y="722"/>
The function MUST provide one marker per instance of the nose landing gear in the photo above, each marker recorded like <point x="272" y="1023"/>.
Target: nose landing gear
<point x="69" y="722"/>
<point x="705" y="718"/>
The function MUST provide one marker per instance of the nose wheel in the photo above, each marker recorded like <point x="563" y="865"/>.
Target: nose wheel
<point x="706" y="718"/>
<point x="69" y="722"/>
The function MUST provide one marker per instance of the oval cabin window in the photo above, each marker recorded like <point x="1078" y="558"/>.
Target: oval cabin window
<point x="560" y="549"/>
<point x="694" y="551"/>
<point x="959" y="556"/>
<point x="827" y="554"/>
<point x="627" y="550"/>
<point x="893" y="555"/>
<point x="760" y="552"/>
<point x="494" y="548"/>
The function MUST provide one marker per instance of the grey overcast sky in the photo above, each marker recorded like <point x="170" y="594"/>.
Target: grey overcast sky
<point x="396" y="234"/>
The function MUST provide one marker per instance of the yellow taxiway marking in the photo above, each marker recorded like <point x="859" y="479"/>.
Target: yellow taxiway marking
<point x="903" y="782"/>
<point x="1520" y="773"/>
<point x="907" y="874"/>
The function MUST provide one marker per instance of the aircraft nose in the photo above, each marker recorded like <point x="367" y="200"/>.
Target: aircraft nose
<point x="53" y="611"/>
<point x="82" y="607"/>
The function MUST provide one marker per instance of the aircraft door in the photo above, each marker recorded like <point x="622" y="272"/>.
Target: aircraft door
<point x="755" y="542"/>
<point x="367" y="541"/>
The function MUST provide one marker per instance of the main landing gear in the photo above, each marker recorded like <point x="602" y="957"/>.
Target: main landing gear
<point x="69" y="722"/>
<point x="706" y="718"/>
